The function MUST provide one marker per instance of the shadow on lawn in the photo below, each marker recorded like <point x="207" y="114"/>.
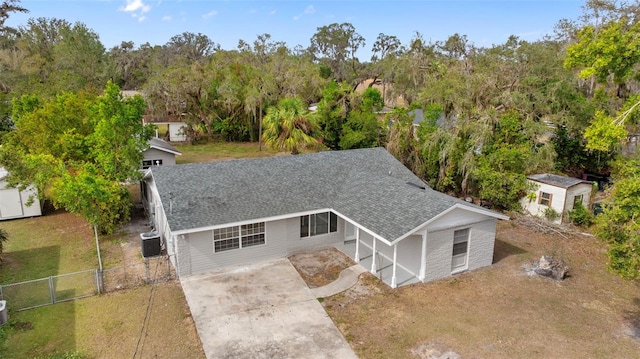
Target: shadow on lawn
<point x="503" y="250"/>
<point x="632" y="318"/>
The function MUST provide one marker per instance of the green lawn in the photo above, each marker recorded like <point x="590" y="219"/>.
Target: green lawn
<point x="221" y="150"/>
<point x="103" y="326"/>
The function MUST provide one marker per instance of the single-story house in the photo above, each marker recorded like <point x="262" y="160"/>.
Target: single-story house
<point x="15" y="203"/>
<point x="556" y="194"/>
<point x="159" y="153"/>
<point x="237" y="212"/>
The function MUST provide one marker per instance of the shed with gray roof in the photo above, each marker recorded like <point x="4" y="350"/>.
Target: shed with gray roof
<point x="159" y="153"/>
<point x="217" y="214"/>
<point x="553" y="196"/>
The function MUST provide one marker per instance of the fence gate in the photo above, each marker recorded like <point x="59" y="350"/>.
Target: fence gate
<point x="44" y="291"/>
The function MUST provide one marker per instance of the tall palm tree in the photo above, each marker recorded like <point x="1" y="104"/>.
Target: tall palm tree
<point x="288" y="126"/>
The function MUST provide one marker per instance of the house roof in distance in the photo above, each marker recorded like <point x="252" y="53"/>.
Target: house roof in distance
<point x="556" y="180"/>
<point x="367" y="186"/>
<point x="162" y="145"/>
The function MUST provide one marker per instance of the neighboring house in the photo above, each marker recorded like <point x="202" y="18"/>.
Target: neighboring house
<point x="15" y="203"/>
<point x="159" y="153"/>
<point x="556" y="194"/>
<point x="173" y="126"/>
<point x="237" y="212"/>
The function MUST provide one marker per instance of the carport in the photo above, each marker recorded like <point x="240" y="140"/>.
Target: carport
<point x="261" y="311"/>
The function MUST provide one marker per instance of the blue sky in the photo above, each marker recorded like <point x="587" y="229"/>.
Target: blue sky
<point x="484" y="22"/>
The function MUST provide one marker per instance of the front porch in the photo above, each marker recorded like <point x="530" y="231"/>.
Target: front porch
<point x="383" y="268"/>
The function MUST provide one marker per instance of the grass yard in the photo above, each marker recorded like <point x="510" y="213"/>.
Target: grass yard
<point x="55" y="243"/>
<point x="500" y="311"/>
<point x="222" y="151"/>
<point x="104" y="326"/>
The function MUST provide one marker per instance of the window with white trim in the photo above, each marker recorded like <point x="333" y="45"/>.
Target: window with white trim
<point x="460" y="241"/>
<point x="236" y="237"/>
<point x="460" y="249"/>
<point x="252" y="234"/>
<point x="318" y="223"/>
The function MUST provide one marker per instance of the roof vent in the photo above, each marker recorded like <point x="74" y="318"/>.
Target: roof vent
<point x="416" y="185"/>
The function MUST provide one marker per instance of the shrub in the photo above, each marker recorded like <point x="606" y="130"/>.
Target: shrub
<point x="580" y="216"/>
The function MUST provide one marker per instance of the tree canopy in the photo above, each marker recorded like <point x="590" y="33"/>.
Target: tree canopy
<point x="78" y="149"/>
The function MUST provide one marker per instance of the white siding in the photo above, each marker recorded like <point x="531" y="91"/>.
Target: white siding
<point x="439" y="250"/>
<point x="176" y="133"/>
<point x="13" y="203"/>
<point x="152" y="154"/>
<point x="295" y="244"/>
<point x="481" y="244"/>
<point x="202" y="257"/>
<point x="557" y="201"/>
<point x="582" y="189"/>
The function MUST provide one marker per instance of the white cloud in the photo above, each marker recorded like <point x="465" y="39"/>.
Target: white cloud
<point x="166" y="18"/>
<point x="210" y="14"/>
<point x="307" y="11"/>
<point x="135" y="6"/>
<point x="273" y="12"/>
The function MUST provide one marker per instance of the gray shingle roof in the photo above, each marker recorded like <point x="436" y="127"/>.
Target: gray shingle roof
<point x="163" y="145"/>
<point x="368" y="186"/>
<point x="555" y="180"/>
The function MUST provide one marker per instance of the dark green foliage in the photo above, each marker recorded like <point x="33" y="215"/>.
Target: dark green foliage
<point x="580" y="216"/>
<point x="618" y="224"/>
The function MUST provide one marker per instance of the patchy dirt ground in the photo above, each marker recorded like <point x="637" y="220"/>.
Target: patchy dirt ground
<point x="320" y="267"/>
<point x="499" y="311"/>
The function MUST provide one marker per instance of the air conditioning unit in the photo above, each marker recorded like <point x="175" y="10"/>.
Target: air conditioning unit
<point x="4" y="316"/>
<point x="150" y="244"/>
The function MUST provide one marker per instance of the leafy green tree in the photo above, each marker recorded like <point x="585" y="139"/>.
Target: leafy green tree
<point x="336" y="45"/>
<point x="505" y="159"/>
<point x="612" y="51"/>
<point x="78" y="149"/>
<point x="618" y="224"/>
<point x="332" y="112"/>
<point x="363" y="129"/>
<point x="288" y="126"/>
<point x="401" y="140"/>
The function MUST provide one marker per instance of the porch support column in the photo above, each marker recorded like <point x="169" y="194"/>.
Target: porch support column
<point x="373" y="257"/>
<point x="423" y="258"/>
<point x="357" y="255"/>
<point x="395" y="257"/>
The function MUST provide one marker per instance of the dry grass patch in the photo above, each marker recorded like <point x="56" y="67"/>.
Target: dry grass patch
<point x="321" y="267"/>
<point x="500" y="311"/>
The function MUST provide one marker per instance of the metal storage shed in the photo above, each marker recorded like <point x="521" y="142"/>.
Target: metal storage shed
<point x="13" y="202"/>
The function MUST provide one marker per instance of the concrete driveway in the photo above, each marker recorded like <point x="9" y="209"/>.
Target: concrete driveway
<point x="261" y="311"/>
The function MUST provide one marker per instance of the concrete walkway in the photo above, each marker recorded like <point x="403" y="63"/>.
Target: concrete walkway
<point x="347" y="279"/>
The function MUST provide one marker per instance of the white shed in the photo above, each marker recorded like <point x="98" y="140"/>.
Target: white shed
<point x="559" y="193"/>
<point x="15" y="203"/>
